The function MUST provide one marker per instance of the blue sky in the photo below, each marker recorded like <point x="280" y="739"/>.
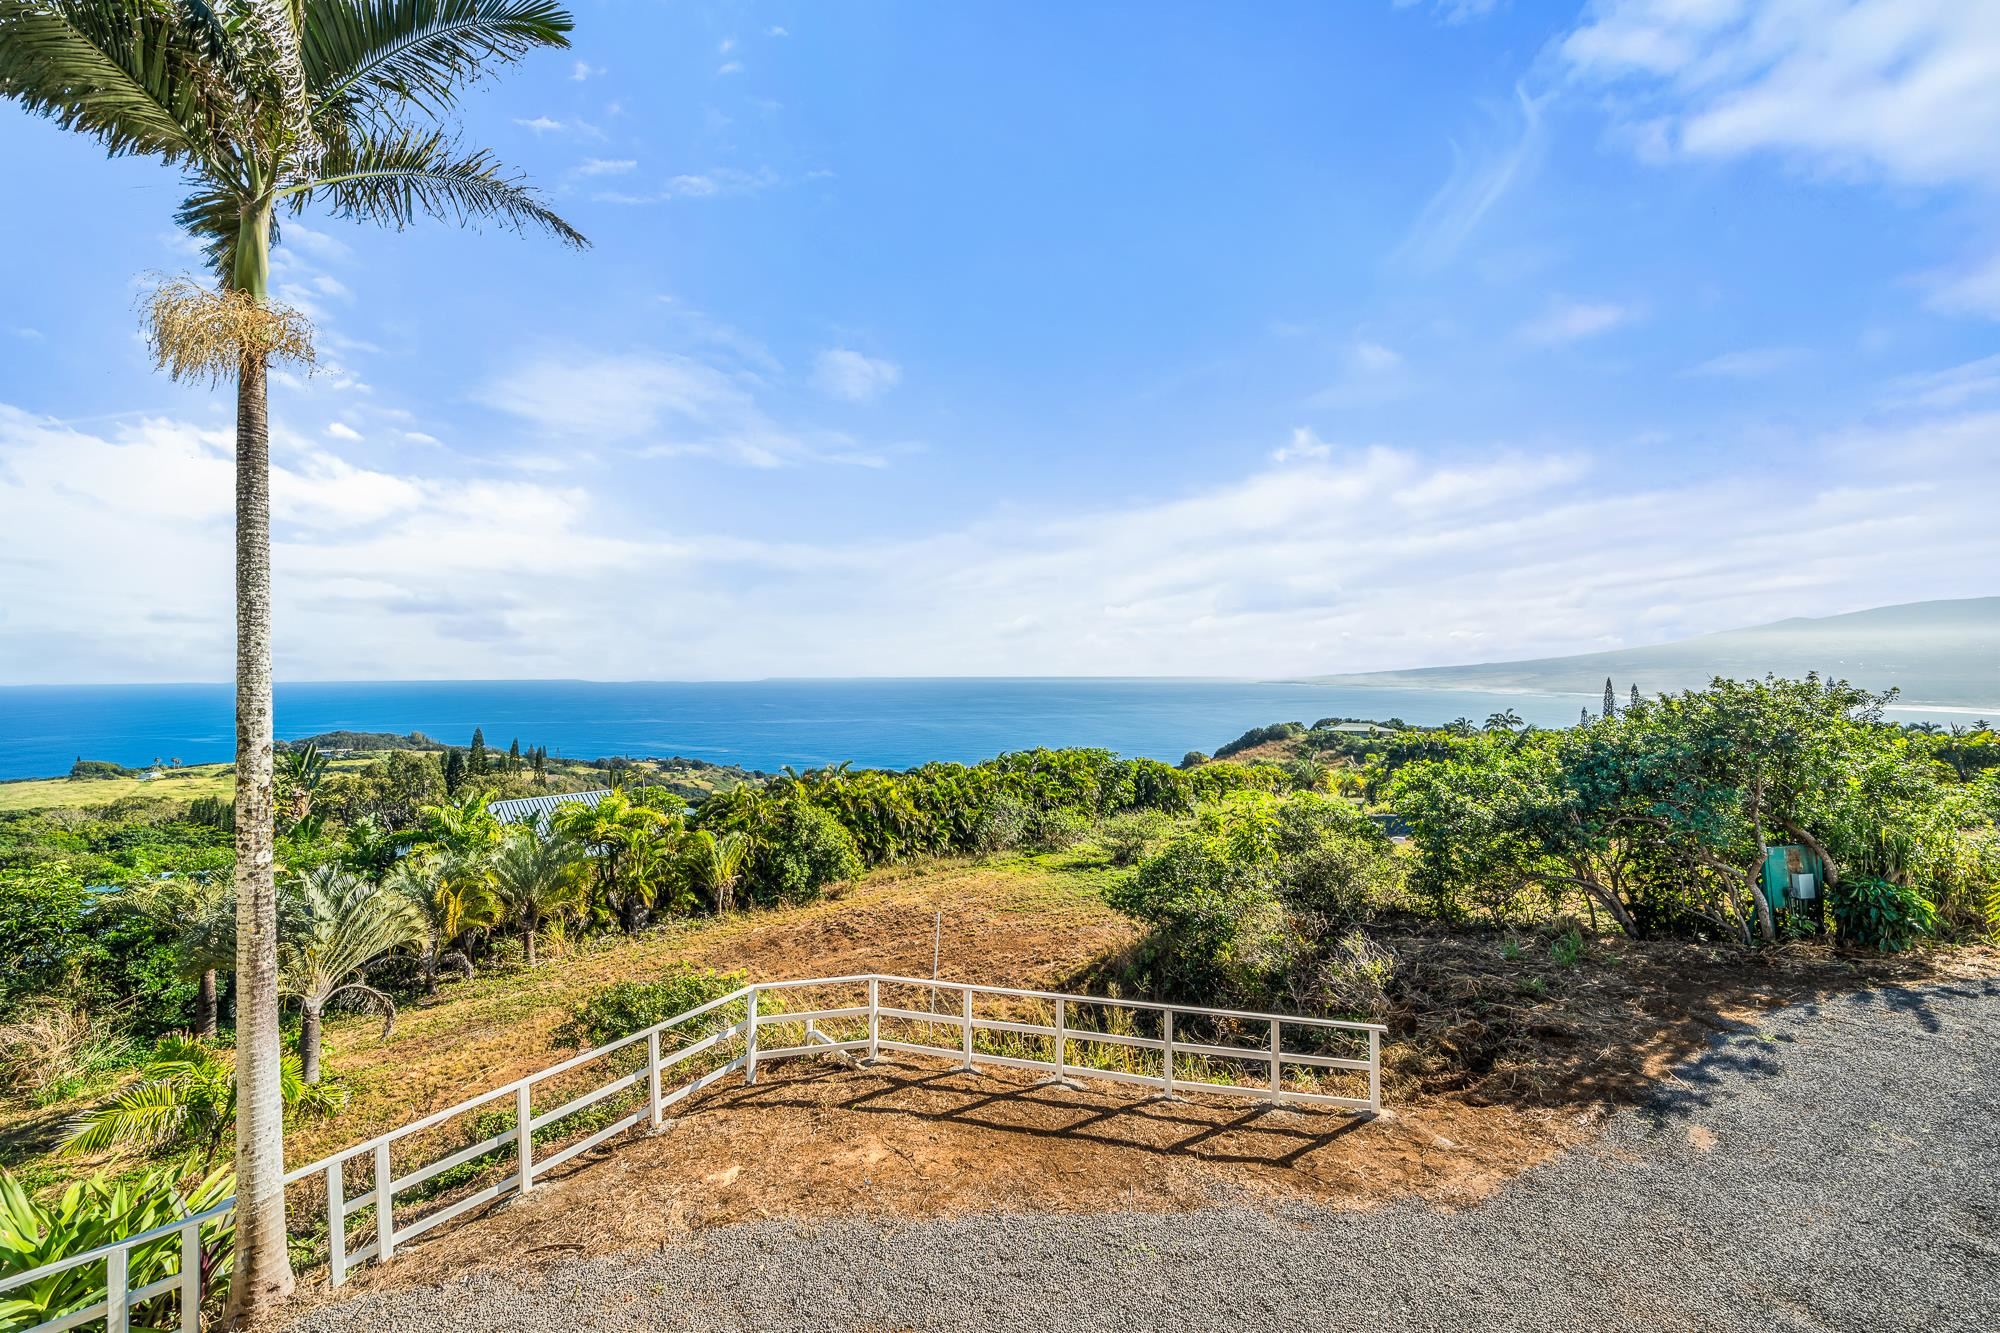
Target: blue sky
<point x="1015" y="339"/>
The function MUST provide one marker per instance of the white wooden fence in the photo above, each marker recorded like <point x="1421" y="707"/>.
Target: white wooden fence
<point x="951" y="1010"/>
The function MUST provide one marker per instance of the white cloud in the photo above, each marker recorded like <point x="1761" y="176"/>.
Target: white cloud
<point x="1372" y="358"/>
<point x="598" y="166"/>
<point x="419" y="437"/>
<point x="729" y="67"/>
<point x="583" y="71"/>
<point x="1949" y="388"/>
<point x="340" y="430"/>
<point x="541" y="124"/>
<point x="776" y="31"/>
<point x="725" y="46"/>
<point x="848" y="374"/>
<point x="1569" y="321"/>
<point x="1304" y="444"/>
<point x="32" y="335"/>
<point x="1749" y="363"/>
<point x="1904" y="90"/>
<point x="1333" y="559"/>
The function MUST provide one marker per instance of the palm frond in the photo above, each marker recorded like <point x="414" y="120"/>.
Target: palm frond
<point x="393" y="177"/>
<point x="422" y="51"/>
<point x="140" y="77"/>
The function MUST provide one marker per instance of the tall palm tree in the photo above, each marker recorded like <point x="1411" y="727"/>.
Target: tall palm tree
<point x="262" y="105"/>
<point x="534" y="878"/>
<point x="337" y="924"/>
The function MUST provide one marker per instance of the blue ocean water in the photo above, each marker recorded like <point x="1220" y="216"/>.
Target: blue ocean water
<point x="755" y="724"/>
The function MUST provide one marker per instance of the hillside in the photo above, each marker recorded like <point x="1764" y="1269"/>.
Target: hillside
<point x="1944" y="654"/>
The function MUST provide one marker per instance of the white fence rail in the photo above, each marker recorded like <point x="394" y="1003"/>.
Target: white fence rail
<point x="1072" y="1046"/>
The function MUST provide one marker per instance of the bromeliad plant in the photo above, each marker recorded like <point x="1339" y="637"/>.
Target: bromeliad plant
<point x="263" y="106"/>
<point x="95" y="1212"/>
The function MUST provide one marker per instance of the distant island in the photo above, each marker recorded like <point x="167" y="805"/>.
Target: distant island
<point x="1942" y="654"/>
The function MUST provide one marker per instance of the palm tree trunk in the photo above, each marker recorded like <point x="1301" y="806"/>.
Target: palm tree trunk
<point x="528" y="942"/>
<point x="204" y="1009"/>
<point x="263" y="1273"/>
<point x="309" y="1044"/>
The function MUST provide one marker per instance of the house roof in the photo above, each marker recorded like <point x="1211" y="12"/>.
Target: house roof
<point x="536" y="810"/>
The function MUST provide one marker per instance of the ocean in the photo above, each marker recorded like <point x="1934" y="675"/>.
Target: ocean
<point x="753" y="724"/>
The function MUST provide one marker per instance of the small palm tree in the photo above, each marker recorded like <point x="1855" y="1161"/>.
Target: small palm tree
<point x="184" y="1105"/>
<point x="450" y="895"/>
<point x="199" y="911"/>
<point x="265" y="106"/>
<point x="718" y="865"/>
<point x="610" y="831"/>
<point x="535" y="878"/>
<point x="463" y="827"/>
<point x="338" y="924"/>
<point x="302" y="771"/>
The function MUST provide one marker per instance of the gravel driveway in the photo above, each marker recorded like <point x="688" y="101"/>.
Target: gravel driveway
<point x="1837" y="1168"/>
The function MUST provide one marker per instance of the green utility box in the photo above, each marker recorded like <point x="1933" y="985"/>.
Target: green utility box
<point x="1792" y="875"/>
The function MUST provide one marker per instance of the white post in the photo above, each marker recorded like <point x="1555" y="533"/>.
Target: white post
<point x="1062" y="1043"/>
<point x="336" y="1222"/>
<point x="874" y="1020"/>
<point x="750" y="1040"/>
<point x="967" y="1030"/>
<point x="1167" y="1056"/>
<point x="1374" y="1072"/>
<point x="385" y="1221"/>
<point x="653" y="1077"/>
<point x="115" y="1313"/>
<point x="524" y="1137"/>
<point x="191" y="1278"/>
<point x="1277" y="1063"/>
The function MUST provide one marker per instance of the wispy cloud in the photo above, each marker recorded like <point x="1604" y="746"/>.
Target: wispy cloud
<point x="1570" y="321"/>
<point x="599" y="166"/>
<point x="1481" y="176"/>
<point x="1970" y="290"/>
<point x="583" y="71"/>
<point x="729" y="67"/>
<point x="1749" y="363"/>
<point x="1303" y="445"/>
<point x="541" y="124"/>
<point x="853" y="375"/>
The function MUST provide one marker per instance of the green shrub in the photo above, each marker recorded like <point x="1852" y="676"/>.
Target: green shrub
<point x="96" y="1212"/>
<point x="626" y="1007"/>
<point x="805" y="849"/>
<point x="1054" y="830"/>
<point x="1568" y="948"/>
<point x="1002" y="827"/>
<point x="1127" y="838"/>
<point x="1877" y="914"/>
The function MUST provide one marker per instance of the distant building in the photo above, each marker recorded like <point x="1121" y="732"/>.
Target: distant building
<point x="536" y="811"/>
<point x="1360" y="728"/>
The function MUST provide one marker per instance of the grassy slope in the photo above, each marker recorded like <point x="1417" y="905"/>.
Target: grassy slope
<point x="1016" y="920"/>
<point x="185" y="784"/>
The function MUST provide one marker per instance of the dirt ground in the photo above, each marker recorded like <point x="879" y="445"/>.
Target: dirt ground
<point x="916" y="1138"/>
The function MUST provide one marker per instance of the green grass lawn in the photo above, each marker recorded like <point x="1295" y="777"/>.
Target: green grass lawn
<point x="179" y="784"/>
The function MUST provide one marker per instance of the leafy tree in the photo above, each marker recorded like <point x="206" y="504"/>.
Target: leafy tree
<point x="535" y="878"/>
<point x="1635" y="694"/>
<point x="1610" y="700"/>
<point x="622" y="839"/>
<point x="718" y="865"/>
<point x="339" y="923"/>
<point x="454" y="772"/>
<point x="464" y="827"/>
<point x="45" y="938"/>
<point x="265" y="106"/>
<point x="475" y="758"/>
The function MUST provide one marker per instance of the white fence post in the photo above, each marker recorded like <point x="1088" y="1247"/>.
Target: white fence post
<point x="191" y="1278"/>
<point x="1167" y="1055"/>
<point x="1374" y="1072"/>
<point x="653" y="1078"/>
<point x="385" y="1208"/>
<point x="1277" y="1062"/>
<point x="750" y="1040"/>
<point x="1062" y="1044"/>
<point x="524" y="1136"/>
<point x="967" y="1021"/>
<point x="336" y="1223"/>
<point x="116" y="1315"/>
<point x="874" y="1020"/>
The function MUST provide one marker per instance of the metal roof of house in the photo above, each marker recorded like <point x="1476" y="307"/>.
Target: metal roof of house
<point x="536" y="810"/>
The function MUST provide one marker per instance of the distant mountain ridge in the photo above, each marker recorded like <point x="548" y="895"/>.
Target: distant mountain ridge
<point x="1944" y="654"/>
